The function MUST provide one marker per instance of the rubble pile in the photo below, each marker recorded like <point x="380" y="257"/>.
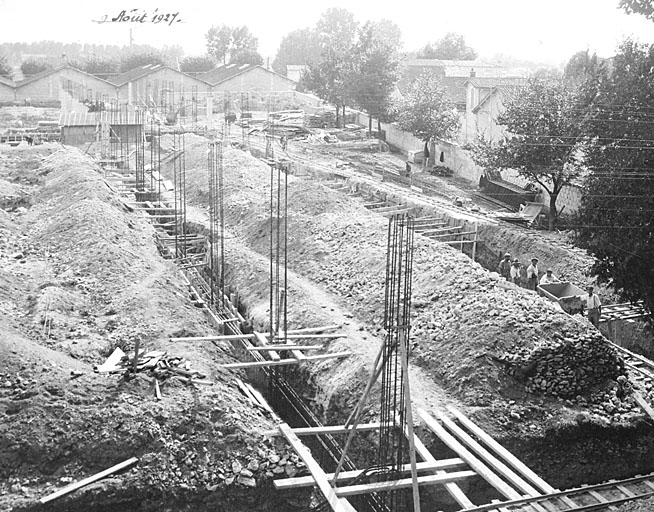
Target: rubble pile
<point x="564" y="366"/>
<point x="464" y="316"/>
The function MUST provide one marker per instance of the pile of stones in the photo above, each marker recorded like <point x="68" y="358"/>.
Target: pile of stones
<point x="565" y="366"/>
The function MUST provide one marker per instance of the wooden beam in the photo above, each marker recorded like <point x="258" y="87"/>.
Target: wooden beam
<point x="353" y="490"/>
<point x="226" y="337"/>
<point x="643" y="404"/>
<point x="459" y="233"/>
<point x="314" y="329"/>
<point x="452" y="488"/>
<point x="334" y="429"/>
<point x="337" y="504"/>
<point x="440" y="230"/>
<point x="263" y="342"/>
<point x="510" y="459"/>
<point x="344" y="476"/>
<point x="479" y="467"/>
<point x="498" y="466"/>
<point x="283" y="362"/>
<point x="309" y="336"/>
<point x="89" y="480"/>
<point x="286" y="347"/>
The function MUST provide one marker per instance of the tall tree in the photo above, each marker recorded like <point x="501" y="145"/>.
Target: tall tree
<point x="331" y="77"/>
<point x="451" y="46"/>
<point x="298" y="47"/>
<point x="218" y="42"/>
<point x="544" y="140"/>
<point x="376" y="70"/>
<point x="426" y="111"/>
<point x="243" y="49"/>
<point x="233" y="45"/>
<point x="644" y="7"/>
<point x="581" y="65"/>
<point x="616" y="218"/>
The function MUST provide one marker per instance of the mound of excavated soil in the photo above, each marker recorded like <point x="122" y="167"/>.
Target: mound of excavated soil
<point x="79" y="276"/>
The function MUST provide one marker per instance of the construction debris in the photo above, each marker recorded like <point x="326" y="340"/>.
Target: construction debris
<point x="158" y="362"/>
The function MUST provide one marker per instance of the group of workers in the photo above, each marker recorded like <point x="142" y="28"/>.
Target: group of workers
<point x="511" y="271"/>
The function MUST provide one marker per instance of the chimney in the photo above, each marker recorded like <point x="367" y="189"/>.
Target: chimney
<point x="473" y="73"/>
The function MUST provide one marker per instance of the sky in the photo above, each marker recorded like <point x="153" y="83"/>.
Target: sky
<point x="547" y="31"/>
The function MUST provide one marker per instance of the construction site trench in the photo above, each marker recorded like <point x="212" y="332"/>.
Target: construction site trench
<point x="81" y="275"/>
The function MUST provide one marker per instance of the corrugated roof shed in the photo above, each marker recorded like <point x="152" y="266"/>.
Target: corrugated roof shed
<point x="48" y="72"/>
<point x="94" y="118"/>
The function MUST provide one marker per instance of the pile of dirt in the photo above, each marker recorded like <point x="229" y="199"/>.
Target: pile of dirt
<point x="464" y="316"/>
<point x="89" y="279"/>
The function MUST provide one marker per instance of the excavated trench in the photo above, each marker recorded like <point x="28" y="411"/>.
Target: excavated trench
<point x="557" y="439"/>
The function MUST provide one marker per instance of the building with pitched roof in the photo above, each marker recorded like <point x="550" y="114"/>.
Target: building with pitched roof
<point x="484" y="102"/>
<point x="158" y="84"/>
<point x="245" y="78"/>
<point x="7" y="90"/>
<point x="48" y="85"/>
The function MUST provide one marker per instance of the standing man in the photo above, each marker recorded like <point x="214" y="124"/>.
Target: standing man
<point x="532" y="274"/>
<point x="594" y="306"/>
<point x="504" y="268"/>
<point x="515" y="272"/>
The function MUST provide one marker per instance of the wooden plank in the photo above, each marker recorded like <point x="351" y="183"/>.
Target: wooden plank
<point x="274" y="356"/>
<point x="310" y="336"/>
<point x="227" y="337"/>
<point x="508" y="457"/>
<point x="283" y="362"/>
<point x="498" y="466"/>
<point x="89" y="480"/>
<point x="481" y="469"/>
<point x="353" y="490"/>
<point x="344" y="476"/>
<point x="453" y="489"/>
<point x="643" y="404"/>
<point x="334" y="429"/>
<point x="404" y="362"/>
<point x="285" y="347"/>
<point x="337" y="504"/>
<point x="313" y="329"/>
<point x="157" y="389"/>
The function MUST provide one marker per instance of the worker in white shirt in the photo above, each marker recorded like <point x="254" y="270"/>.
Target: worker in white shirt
<point x="548" y="277"/>
<point x="514" y="273"/>
<point x="532" y="274"/>
<point x="593" y="306"/>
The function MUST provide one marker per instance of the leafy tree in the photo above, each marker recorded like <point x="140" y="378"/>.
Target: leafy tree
<point x="337" y="27"/>
<point x="218" y="42"/>
<point x="426" y="111"/>
<point x="298" y="47"/>
<point x="376" y="71"/>
<point x="32" y="67"/>
<point x="644" y="7"/>
<point x="197" y="64"/>
<point x="545" y="138"/>
<point x="451" y="47"/>
<point x="136" y="60"/>
<point x="581" y="65"/>
<point x="243" y="48"/>
<point x="235" y="45"/>
<point x="616" y="218"/>
<point x="5" y="68"/>
<point x="331" y="77"/>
